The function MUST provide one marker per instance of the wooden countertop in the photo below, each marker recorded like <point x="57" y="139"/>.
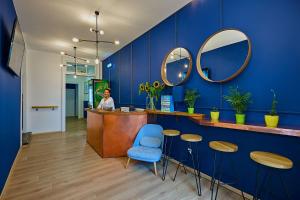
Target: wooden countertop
<point x="176" y="113"/>
<point x="116" y="112"/>
<point x="199" y="119"/>
<point x="246" y="127"/>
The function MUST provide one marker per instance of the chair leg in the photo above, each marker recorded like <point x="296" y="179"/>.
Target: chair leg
<point x="127" y="163"/>
<point x="155" y="170"/>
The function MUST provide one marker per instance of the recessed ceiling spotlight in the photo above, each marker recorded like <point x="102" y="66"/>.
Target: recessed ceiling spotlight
<point x="61" y="65"/>
<point x="75" y="39"/>
<point x="87" y="61"/>
<point x="101" y="32"/>
<point x="62" y="53"/>
<point x="117" y="42"/>
<point x="185" y="66"/>
<point x="91" y="29"/>
<point x="75" y="76"/>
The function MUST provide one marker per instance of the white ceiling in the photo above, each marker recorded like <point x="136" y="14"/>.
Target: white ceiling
<point x="50" y="25"/>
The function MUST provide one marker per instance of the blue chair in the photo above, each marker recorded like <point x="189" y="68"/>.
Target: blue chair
<point x="147" y="145"/>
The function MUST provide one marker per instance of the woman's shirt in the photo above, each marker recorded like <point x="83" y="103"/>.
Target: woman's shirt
<point x="106" y="104"/>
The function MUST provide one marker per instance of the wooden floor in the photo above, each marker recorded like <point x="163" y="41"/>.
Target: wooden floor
<point x="62" y="166"/>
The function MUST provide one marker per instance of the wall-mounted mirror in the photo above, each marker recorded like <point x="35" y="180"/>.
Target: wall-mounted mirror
<point x="223" y="56"/>
<point x="176" y="67"/>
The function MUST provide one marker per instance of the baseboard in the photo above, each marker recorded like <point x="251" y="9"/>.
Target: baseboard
<point x="233" y="189"/>
<point x="41" y="133"/>
<point x="10" y="172"/>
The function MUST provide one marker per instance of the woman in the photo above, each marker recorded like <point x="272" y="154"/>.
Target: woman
<point x="106" y="103"/>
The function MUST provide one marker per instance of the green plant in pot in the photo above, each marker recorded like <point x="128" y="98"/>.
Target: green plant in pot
<point x="214" y="114"/>
<point x="190" y="99"/>
<point x="272" y="118"/>
<point x="239" y="102"/>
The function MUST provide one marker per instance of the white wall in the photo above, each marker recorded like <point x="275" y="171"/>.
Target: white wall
<point x="44" y="87"/>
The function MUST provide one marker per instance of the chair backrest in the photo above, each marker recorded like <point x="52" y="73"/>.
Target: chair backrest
<point x="151" y="130"/>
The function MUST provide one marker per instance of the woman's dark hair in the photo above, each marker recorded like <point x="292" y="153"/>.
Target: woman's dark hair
<point x="108" y="89"/>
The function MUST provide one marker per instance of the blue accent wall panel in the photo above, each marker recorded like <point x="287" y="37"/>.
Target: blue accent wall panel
<point x="9" y="96"/>
<point x="140" y="67"/>
<point x="162" y="40"/>
<point x="125" y="71"/>
<point x="273" y="28"/>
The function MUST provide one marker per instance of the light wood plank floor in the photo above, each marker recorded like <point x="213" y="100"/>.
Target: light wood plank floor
<point x="62" y="166"/>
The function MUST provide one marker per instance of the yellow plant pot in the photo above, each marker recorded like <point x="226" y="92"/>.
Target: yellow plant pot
<point x="272" y="121"/>
<point x="191" y="110"/>
<point x="214" y="116"/>
<point x="240" y="118"/>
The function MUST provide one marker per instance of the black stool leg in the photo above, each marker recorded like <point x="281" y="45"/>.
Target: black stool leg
<point x="214" y="172"/>
<point x="166" y="158"/>
<point x="259" y="188"/>
<point x="196" y="171"/>
<point x="219" y="179"/>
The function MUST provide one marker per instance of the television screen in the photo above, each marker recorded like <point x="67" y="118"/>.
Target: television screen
<point x="17" y="47"/>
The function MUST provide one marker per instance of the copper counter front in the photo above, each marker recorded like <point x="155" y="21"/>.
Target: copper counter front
<point x="111" y="134"/>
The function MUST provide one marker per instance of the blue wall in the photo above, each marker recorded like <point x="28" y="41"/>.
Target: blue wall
<point x="9" y="96"/>
<point x="273" y="28"/>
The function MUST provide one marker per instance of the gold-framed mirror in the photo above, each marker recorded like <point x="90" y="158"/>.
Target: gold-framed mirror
<point x="176" y="66"/>
<point x="224" y="55"/>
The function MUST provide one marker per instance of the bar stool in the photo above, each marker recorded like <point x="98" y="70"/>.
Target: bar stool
<point x="192" y="138"/>
<point x="272" y="162"/>
<point x="223" y="148"/>
<point x="168" y="134"/>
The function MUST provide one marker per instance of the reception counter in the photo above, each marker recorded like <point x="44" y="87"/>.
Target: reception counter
<point x="112" y="133"/>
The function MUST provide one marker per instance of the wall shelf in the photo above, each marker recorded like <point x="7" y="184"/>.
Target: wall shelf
<point x="44" y="107"/>
<point x="246" y="127"/>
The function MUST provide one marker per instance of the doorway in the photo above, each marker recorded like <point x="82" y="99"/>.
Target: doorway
<point x="71" y="100"/>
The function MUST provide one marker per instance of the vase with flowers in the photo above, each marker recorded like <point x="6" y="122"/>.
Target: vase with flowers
<point x="153" y="92"/>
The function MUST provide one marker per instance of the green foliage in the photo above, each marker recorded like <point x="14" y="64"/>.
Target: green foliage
<point x="191" y="97"/>
<point x="215" y="109"/>
<point x="152" y="90"/>
<point x="238" y="100"/>
<point x="273" y="110"/>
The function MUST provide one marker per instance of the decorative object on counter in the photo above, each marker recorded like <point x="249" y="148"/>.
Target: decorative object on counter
<point x="124" y="109"/>
<point x="167" y="103"/>
<point x="153" y="92"/>
<point x="176" y="67"/>
<point x="272" y="118"/>
<point x="190" y="99"/>
<point x="214" y="114"/>
<point x="239" y="102"/>
<point x="224" y="55"/>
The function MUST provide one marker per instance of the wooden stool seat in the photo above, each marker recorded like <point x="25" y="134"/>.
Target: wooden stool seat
<point x="271" y="160"/>
<point x="171" y="133"/>
<point x="191" y="137"/>
<point x="223" y="146"/>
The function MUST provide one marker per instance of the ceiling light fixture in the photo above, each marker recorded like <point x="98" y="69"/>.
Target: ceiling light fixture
<point x="76" y="58"/>
<point x="97" y="41"/>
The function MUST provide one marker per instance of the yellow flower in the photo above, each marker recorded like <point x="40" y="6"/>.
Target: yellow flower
<point x="156" y="84"/>
<point x="147" y="88"/>
<point x="142" y="87"/>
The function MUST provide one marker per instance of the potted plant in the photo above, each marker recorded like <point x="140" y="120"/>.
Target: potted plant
<point x="239" y="102"/>
<point x="214" y="114"/>
<point x="190" y="99"/>
<point x="272" y="119"/>
<point x="153" y="92"/>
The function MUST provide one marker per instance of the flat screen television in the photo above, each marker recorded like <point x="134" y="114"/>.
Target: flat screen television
<point x="17" y="49"/>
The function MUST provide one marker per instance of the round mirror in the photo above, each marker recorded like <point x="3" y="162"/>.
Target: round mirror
<point x="176" y="67"/>
<point x="223" y="56"/>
